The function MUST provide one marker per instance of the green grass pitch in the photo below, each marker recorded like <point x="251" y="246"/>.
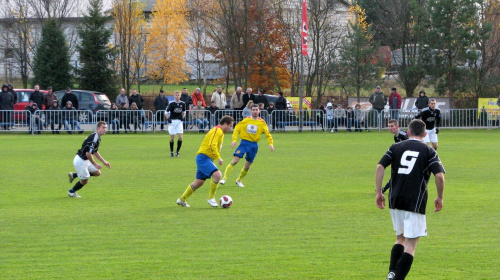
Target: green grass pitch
<point x="307" y="211"/>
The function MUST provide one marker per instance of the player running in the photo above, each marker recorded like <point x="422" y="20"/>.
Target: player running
<point x="412" y="163"/>
<point x="208" y="152"/>
<point x="432" y="118"/>
<point x="249" y="129"/>
<point x="84" y="162"/>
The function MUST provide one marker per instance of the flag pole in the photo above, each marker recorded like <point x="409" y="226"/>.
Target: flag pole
<point x="303" y="35"/>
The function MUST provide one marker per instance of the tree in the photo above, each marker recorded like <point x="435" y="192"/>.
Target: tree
<point x="51" y="65"/>
<point x="166" y="39"/>
<point x="453" y="31"/>
<point x="129" y="19"/>
<point x="357" y="63"/>
<point x="18" y="37"/>
<point x="95" y="53"/>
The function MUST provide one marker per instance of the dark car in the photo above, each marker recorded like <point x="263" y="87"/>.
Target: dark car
<point x="87" y="100"/>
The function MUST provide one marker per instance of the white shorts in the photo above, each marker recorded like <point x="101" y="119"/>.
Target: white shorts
<point x="431" y="136"/>
<point x="175" y="127"/>
<point x="408" y="224"/>
<point x="83" y="167"/>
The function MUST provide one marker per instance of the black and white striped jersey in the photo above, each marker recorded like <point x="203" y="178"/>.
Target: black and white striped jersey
<point x="430" y="117"/>
<point x="175" y="110"/>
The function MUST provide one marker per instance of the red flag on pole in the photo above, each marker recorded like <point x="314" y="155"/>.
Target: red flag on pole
<point x="305" y="27"/>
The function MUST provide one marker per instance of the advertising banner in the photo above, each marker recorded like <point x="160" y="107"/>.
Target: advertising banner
<point x="491" y="107"/>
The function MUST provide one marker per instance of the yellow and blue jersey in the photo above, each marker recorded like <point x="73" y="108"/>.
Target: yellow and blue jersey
<point x="212" y="143"/>
<point x="250" y="130"/>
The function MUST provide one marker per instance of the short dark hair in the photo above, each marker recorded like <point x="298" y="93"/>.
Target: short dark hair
<point x="226" y="120"/>
<point x="255" y="105"/>
<point x="416" y="128"/>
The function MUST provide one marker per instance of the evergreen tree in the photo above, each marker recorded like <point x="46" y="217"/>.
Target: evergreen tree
<point x="357" y="66"/>
<point x="95" y="54"/>
<point x="51" y="65"/>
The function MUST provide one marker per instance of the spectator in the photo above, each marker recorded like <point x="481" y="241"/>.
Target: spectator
<point x="320" y="114"/>
<point x="70" y="116"/>
<point x="220" y="98"/>
<point x="50" y="97"/>
<point x="263" y="113"/>
<point x="35" y="123"/>
<point x="137" y="98"/>
<point x="261" y="98"/>
<point x="280" y="106"/>
<point x="349" y="118"/>
<point x="53" y="116"/>
<point x="38" y="97"/>
<point x="135" y="116"/>
<point x="394" y="103"/>
<point x="247" y="112"/>
<point x="122" y="98"/>
<point x="237" y="104"/>
<point x="247" y="97"/>
<point x="329" y="116"/>
<point x="70" y="97"/>
<point x="13" y="92"/>
<point x="339" y="117"/>
<point x="124" y="117"/>
<point x="360" y="118"/>
<point x="161" y="103"/>
<point x="378" y="101"/>
<point x="114" y="118"/>
<point x="213" y="109"/>
<point x="6" y="107"/>
<point x="422" y="100"/>
<point x="198" y="114"/>
<point x="198" y="96"/>
<point x="186" y="98"/>
<point x="270" y="111"/>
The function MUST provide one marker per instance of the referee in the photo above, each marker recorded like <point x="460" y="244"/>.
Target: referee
<point x="175" y="113"/>
<point x="432" y="118"/>
<point x="84" y="161"/>
<point x="411" y="162"/>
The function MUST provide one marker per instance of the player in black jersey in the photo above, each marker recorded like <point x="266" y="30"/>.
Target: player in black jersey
<point x="412" y="162"/>
<point x="432" y="119"/>
<point x="84" y="161"/>
<point x="175" y="113"/>
<point x="399" y="135"/>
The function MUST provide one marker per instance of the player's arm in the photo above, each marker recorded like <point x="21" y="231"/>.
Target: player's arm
<point x="99" y="157"/>
<point x="90" y="157"/>
<point x="268" y="136"/>
<point x="215" y="143"/>
<point x="236" y="132"/>
<point x="379" y="176"/>
<point x="438" y="202"/>
<point x="438" y="122"/>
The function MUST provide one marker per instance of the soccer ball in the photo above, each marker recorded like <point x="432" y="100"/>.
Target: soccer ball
<point x="226" y="201"/>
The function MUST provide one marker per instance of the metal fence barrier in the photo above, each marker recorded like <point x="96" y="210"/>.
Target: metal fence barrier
<point x="133" y="121"/>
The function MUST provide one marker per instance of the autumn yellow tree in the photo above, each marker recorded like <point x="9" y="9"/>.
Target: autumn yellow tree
<point x="129" y="26"/>
<point x="167" y="44"/>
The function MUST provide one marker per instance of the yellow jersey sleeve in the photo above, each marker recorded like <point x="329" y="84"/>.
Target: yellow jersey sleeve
<point x="212" y="143"/>
<point x="250" y="130"/>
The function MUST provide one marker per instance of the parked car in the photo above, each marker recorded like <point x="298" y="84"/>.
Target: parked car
<point x="87" y="100"/>
<point x="23" y="100"/>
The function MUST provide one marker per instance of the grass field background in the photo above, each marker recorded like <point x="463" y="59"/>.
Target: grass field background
<point x="307" y="211"/>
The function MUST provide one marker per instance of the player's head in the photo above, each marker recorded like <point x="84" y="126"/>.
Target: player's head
<point x="177" y="96"/>
<point x="102" y="127"/>
<point x="226" y="123"/>
<point x="416" y="128"/>
<point x="393" y="126"/>
<point x="255" y="111"/>
<point x="432" y="103"/>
